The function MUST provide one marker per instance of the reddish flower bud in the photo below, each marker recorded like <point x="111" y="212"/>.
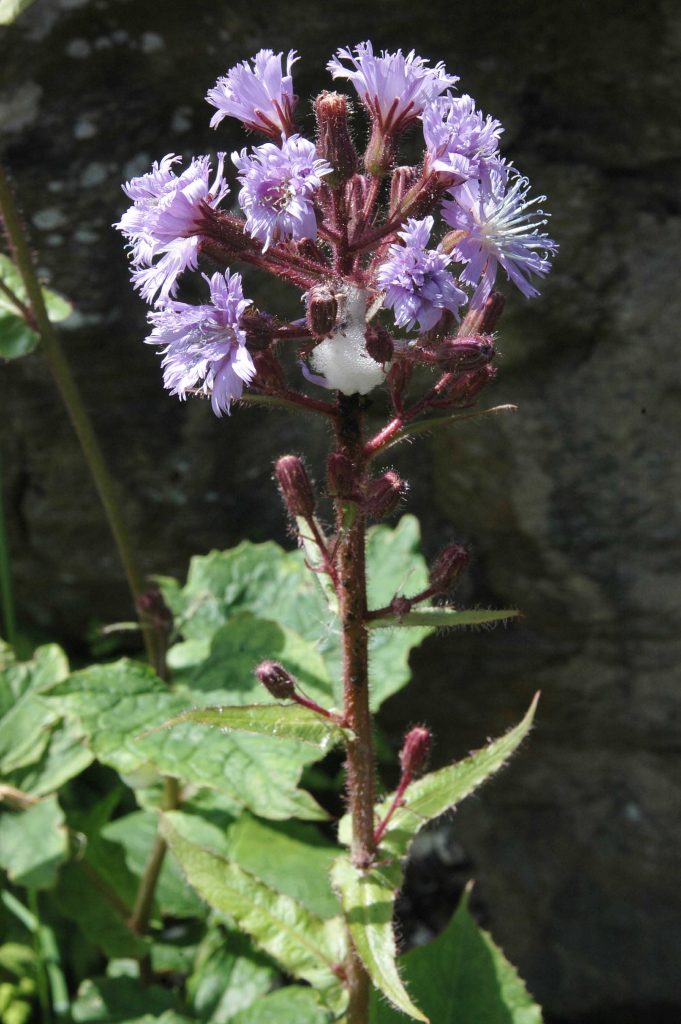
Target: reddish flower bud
<point x="461" y="354"/>
<point x="340" y="475"/>
<point x="384" y="495"/>
<point x="398" y="381"/>
<point x="356" y="192"/>
<point x="484" y="320"/>
<point x="322" y="310"/>
<point x="402" y="180"/>
<point x="270" y="373"/>
<point x="447" y="568"/>
<point x="295" y="486"/>
<point x="415" y="751"/>
<point x="379" y="343"/>
<point x="276" y="680"/>
<point x="154" y="611"/>
<point x="259" y="328"/>
<point x="334" y="142"/>
<point x="466" y="388"/>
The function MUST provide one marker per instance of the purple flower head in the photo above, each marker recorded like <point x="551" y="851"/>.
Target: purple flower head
<point x="278" y="187"/>
<point x="261" y="96"/>
<point x="460" y="142"/>
<point x="204" y="347"/>
<point x="164" y="222"/>
<point x="394" y="88"/>
<point x="502" y="229"/>
<point x="418" y="286"/>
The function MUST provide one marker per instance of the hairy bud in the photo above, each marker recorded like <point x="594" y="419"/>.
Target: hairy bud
<point x="384" y="495"/>
<point x="295" y="486"/>
<point x="334" y="142"/>
<point x="259" y="328"/>
<point x="340" y="476"/>
<point x="276" y="680"/>
<point x="379" y="343"/>
<point x="401" y="181"/>
<point x="465" y="353"/>
<point x="485" y="319"/>
<point x="447" y="568"/>
<point x="415" y="751"/>
<point x="398" y="381"/>
<point x="356" y="192"/>
<point x="465" y="389"/>
<point x="322" y="310"/>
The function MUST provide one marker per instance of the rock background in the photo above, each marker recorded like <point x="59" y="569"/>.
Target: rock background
<point x="570" y="505"/>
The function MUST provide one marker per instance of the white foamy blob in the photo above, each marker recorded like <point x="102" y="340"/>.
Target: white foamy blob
<point x="343" y="358"/>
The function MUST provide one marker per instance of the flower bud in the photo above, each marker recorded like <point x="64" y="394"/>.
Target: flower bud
<point x="379" y="343"/>
<point x="447" y="568"/>
<point x="322" y="310"/>
<point x="154" y="611"/>
<point x="276" y="680"/>
<point x="356" y="192"/>
<point x="466" y="388"/>
<point x="269" y="371"/>
<point x="485" y="319"/>
<point x="415" y="750"/>
<point x="259" y="328"/>
<point x="380" y="152"/>
<point x="384" y="495"/>
<point x="340" y="476"/>
<point x="402" y="180"/>
<point x="398" y="381"/>
<point x="461" y="354"/>
<point x="334" y="142"/>
<point x="295" y="486"/>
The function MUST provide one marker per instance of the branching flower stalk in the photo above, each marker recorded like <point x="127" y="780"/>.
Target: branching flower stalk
<point x="373" y="246"/>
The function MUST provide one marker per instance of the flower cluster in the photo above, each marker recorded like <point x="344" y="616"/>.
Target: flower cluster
<point x="384" y="289"/>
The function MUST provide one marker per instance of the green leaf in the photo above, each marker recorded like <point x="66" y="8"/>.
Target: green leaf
<point x="33" y="843"/>
<point x="291" y="857"/>
<point x="229" y="975"/>
<point x="433" y="794"/>
<point x="280" y="721"/>
<point x="16" y="337"/>
<point x="116" y="706"/>
<point x="463" y="978"/>
<point x="306" y="946"/>
<point x="437" y="617"/>
<point x="275" y="584"/>
<point x="290" y="1005"/>
<point x="368" y="899"/>
<point x="11" y="9"/>
<point x="134" y="834"/>
<point x="121" y="1000"/>
<point x="80" y="898"/>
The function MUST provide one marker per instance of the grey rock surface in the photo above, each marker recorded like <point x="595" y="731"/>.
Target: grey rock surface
<point x="570" y="505"/>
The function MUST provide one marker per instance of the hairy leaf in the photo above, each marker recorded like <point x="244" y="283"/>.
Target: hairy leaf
<point x="429" y="797"/>
<point x="438" y="617"/>
<point x="280" y="721"/>
<point x="84" y="897"/>
<point x="116" y="706"/>
<point x="463" y="978"/>
<point x="290" y="1005"/>
<point x="229" y="976"/>
<point x="306" y="946"/>
<point x="368" y="899"/>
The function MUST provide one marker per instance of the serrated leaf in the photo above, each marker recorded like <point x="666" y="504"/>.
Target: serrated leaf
<point x="279" y="721"/>
<point x="463" y="978"/>
<point x="433" y="794"/>
<point x="306" y="946"/>
<point x="25" y="722"/>
<point x="290" y="1005"/>
<point x="447" y="617"/>
<point x="33" y="844"/>
<point x="368" y="899"/>
<point x="116" y="706"/>
<point x="79" y="897"/>
<point x="16" y="337"/>
<point x="228" y="976"/>
<point x="11" y="9"/>
<point x="275" y="584"/>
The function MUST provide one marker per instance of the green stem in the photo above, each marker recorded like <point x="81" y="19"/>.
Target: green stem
<point x="6" y="594"/>
<point x="361" y="782"/>
<point x="68" y="389"/>
<point x="42" y="983"/>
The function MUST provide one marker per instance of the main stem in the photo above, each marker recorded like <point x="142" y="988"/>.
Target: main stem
<point x="353" y="611"/>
